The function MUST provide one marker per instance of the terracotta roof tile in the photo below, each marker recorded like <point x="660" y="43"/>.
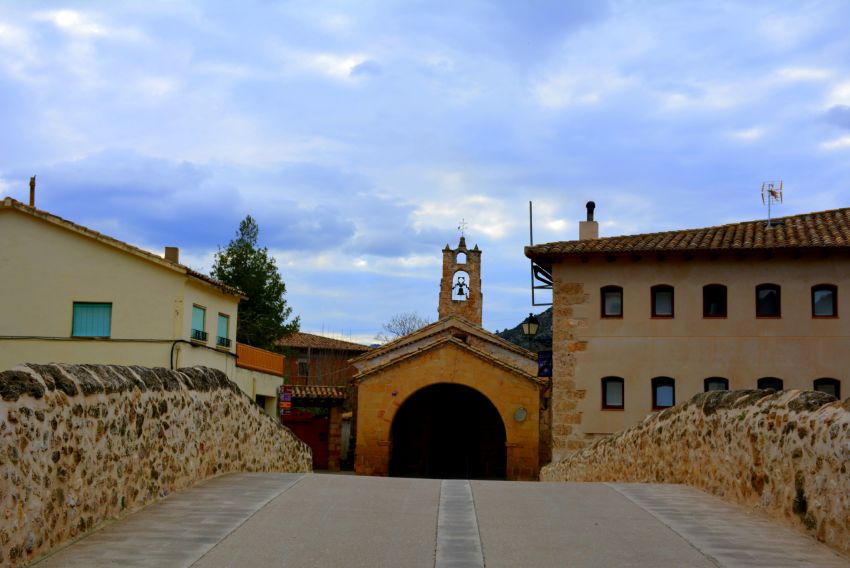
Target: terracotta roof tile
<point x="304" y="340"/>
<point x="810" y="230"/>
<point x="317" y="392"/>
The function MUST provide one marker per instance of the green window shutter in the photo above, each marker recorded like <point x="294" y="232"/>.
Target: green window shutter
<point x="223" y="324"/>
<point x="91" y="320"/>
<point x="198" y="316"/>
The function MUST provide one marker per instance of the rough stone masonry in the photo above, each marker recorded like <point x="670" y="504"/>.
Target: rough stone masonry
<point x="786" y="453"/>
<point x="80" y="444"/>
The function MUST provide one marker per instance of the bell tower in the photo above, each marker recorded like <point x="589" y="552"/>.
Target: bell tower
<point x="460" y="287"/>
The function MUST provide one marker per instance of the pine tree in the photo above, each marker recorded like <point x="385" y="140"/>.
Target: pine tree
<point x="262" y="317"/>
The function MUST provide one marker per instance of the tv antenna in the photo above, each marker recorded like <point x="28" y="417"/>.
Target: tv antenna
<point x="770" y="193"/>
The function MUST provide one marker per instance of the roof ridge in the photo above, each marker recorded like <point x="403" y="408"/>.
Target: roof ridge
<point x="819" y="229"/>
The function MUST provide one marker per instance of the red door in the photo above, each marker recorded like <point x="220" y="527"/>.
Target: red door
<point x="313" y="430"/>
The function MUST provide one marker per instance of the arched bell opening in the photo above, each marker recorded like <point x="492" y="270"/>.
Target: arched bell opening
<point x="460" y="286"/>
<point x="448" y="431"/>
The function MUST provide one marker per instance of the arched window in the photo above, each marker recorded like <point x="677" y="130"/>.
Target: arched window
<point x="768" y="301"/>
<point x="829" y="386"/>
<point x="662" y="301"/>
<point x="716" y="384"/>
<point x="714" y="301"/>
<point x="663" y="392"/>
<point x="770" y="383"/>
<point x="460" y="258"/>
<point x="824" y="301"/>
<point x="460" y="286"/>
<point x="612" y="301"/>
<point x="613" y="393"/>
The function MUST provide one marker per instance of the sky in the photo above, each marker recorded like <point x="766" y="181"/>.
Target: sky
<point x="359" y="134"/>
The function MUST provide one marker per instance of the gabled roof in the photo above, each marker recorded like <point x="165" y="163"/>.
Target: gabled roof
<point x="453" y="341"/>
<point x="304" y="340"/>
<point x="440" y="326"/>
<point x="12" y="204"/>
<point x="823" y="229"/>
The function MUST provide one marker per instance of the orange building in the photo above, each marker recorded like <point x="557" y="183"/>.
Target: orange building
<point x="451" y="400"/>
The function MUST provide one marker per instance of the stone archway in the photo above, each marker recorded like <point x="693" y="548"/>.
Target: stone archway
<point x="448" y="431"/>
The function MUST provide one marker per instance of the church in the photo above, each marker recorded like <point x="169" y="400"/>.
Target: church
<point x="452" y="400"/>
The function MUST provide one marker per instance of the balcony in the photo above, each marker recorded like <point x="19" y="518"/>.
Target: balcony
<point x="198" y="335"/>
<point x="260" y="360"/>
<point x="223" y="342"/>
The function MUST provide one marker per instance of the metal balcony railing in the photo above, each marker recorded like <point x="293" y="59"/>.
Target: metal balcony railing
<point x="199" y="335"/>
<point x="222" y="342"/>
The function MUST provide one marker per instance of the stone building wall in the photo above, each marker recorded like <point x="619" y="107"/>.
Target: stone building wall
<point x="787" y="453"/>
<point x="80" y="444"/>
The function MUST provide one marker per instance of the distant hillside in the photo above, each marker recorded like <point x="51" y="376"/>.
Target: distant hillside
<point x="541" y="342"/>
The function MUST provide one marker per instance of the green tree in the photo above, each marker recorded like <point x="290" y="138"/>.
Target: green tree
<point x="262" y="317"/>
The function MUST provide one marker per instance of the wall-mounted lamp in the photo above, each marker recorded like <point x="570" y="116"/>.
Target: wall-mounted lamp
<point x="530" y="327"/>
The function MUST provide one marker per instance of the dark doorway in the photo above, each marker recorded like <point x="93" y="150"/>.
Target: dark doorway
<point x="448" y="431"/>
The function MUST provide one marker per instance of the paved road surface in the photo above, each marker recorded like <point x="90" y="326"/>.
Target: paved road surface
<point x="259" y="520"/>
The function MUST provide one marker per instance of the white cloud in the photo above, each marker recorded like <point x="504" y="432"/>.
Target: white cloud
<point x="157" y="87"/>
<point x="334" y="65"/>
<point x="484" y="215"/>
<point x="576" y="87"/>
<point x="709" y="96"/>
<point x="799" y="74"/>
<point x="839" y="95"/>
<point x="410" y="266"/>
<point x="837" y="144"/>
<point x="83" y="26"/>
<point x="18" y="44"/>
<point x="748" y="134"/>
<point x="72" y="22"/>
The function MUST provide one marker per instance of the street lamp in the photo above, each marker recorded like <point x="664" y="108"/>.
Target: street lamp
<point x="530" y="327"/>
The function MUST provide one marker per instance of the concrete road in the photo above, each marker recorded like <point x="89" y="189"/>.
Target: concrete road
<point x="315" y="520"/>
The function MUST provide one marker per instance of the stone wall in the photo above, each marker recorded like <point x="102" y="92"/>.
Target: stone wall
<point x="787" y="453"/>
<point x="80" y="444"/>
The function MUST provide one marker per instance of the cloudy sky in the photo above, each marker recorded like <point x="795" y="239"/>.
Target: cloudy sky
<point x="359" y="133"/>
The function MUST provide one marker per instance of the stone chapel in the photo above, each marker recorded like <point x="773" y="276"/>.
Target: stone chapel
<point x="452" y="400"/>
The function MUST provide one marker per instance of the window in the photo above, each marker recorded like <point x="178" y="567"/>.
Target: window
<point x="612" y="393"/>
<point x="716" y="384"/>
<point x="662" y="301"/>
<point x="222" y="339"/>
<point x="612" y="302"/>
<point x="770" y="383"/>
<point x="829" y="386"/>
<point x="714" y="301"/>
<point x="768" y="301"/>
<point x="199" y="321"/>
<point x="303" y="368"/>
<point x="824" y="301"/>
<point x="91" y="320"/>
<point x="663" y="392"/>
<point x="460" y="258"/>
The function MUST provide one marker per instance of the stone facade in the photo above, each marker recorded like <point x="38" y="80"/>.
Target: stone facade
<point x="698" y="338"/>
<point x="80" y="444"/>
<point x="787" y="453"/>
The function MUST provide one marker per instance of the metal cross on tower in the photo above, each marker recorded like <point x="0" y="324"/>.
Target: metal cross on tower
<point x="462" y="227"/>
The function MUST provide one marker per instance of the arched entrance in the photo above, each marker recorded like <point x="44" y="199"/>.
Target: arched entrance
<point x="448" y="431"/>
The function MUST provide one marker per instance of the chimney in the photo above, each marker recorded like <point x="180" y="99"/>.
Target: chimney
<point x="32" y="191"/>
<point x="172" y="254"/>
<point x="588" y="229"/>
